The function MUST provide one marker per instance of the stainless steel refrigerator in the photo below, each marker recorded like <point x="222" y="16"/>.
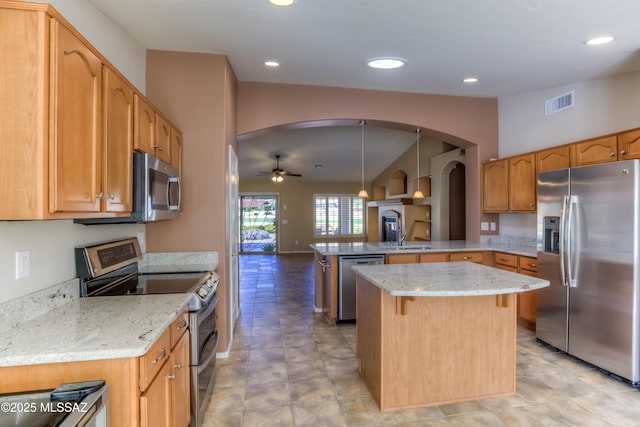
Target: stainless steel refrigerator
<point x="588" y="248"/>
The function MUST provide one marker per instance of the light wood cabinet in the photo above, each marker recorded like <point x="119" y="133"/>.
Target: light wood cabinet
<point x="505" y="261"/>
<point x="527" y="301"/>
<point x="403" y="258"/>
<point x="552" y="159"/>
<point x="180" y="383"/>
<point x="176" y="150"/>
<point x="594" y="151"/>
<point x="522" y="183"/>
<point x="629" y="145"/>
<point x="162" y="144"/>
<point x="495" y="186"/>
<point x="118" y="144"/>
<point x="155" y="401"/>
<point x="144" y="124"/>
<point x="433" y="257"/>
<point x="477" y="257"/>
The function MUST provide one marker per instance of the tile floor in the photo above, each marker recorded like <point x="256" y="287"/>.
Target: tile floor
<point x="287" y="367"/>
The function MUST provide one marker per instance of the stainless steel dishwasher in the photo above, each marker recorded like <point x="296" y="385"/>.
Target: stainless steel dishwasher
<point x="347" y="283"/>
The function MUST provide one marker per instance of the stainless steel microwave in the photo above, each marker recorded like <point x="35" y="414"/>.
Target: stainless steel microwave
<point x="156" y="193"/>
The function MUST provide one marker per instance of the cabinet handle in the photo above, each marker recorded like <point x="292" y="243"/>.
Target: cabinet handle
<point x="111" y="196"/>
<point x="100" y="195"/>
<point x="182" y="325"/>
<point x="177" y="366"/>
<point x="504" y="259"/>
<point x="623" y="152"/>
<point x="161" y="356"/>
<point x="172" y="377"/>
<point x="533" y="264"/>
<point x="158" y="147"/>
<point x="612" y="154"/>
<point x="466" y="257"/>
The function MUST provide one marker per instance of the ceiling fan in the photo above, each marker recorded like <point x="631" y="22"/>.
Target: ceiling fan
<point x="277" y="174"/>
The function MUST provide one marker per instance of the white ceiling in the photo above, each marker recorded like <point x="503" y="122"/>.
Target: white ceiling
<point x="512" y="46"/>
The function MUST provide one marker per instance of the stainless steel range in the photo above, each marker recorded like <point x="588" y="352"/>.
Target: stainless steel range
<point x="111" y="268"/>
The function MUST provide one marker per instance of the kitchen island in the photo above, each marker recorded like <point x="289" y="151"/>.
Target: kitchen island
<point x="430" y="334"/>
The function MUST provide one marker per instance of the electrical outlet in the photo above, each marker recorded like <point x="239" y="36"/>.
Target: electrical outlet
<point x="493" y="226"/>
<point x="23" y="264"/>
<point x="484" y="226"/>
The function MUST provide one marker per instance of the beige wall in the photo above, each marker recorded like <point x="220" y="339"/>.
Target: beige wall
<point x="197" y="93"/>
<point x="471" y="123"/>
<point x="295" y="206"/>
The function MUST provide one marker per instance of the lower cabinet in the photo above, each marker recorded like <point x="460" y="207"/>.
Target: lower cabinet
<point x="527" y="301"/>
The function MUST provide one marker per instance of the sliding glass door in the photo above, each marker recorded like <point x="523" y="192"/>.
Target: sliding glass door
<point x="258" y="223"/>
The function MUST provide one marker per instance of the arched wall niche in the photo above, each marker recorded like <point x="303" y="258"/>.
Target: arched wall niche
<point x="470" y="123"/>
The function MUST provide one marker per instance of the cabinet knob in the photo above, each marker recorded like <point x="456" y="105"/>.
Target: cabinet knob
<point x="158" y="147"/>
<point x="623" y="152"/>
<point x="161" y="356"/>
<point x="612" y="154"/>
<point x="177" y="366"/>
<point x="172" y="377"/>
<point x="111" y="196"/>
<point x="100" y="196"/>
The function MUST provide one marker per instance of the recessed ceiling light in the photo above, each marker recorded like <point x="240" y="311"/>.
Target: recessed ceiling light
<point x="385" y="63"/>
<point x="599" y="40"/>
<point x="272" y="64"/>
<point x="282" y="2"/>
<point x="470" y="80"/>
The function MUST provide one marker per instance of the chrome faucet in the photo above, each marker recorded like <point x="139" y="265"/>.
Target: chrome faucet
<point x="401" y="239"/>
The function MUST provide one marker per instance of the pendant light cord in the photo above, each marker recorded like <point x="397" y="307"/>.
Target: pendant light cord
<point x="362" y="149"/>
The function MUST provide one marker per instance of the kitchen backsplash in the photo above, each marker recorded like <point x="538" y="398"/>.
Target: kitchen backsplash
<point x="17" y="311"/>
<point x="509" y="240"/>
<point x="179" y="258"/>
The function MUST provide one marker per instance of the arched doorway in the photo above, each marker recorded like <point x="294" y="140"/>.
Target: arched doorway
<point x="457" y="203"/>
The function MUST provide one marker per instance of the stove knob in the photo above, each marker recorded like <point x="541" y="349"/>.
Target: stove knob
<point x="202" y="292"/>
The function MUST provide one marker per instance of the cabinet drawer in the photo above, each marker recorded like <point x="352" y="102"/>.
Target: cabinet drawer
<point x="528" y="263"/>
<point x="178" y="327"/>
<point x="505" y="259"/>
<point x="402" y="258"/>
<point x="151" y="362"/>
<point x="439" y="257"/>
<point x="467" y="256"/>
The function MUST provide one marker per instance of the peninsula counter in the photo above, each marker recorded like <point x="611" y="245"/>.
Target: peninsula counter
<point x="435" y="333"/>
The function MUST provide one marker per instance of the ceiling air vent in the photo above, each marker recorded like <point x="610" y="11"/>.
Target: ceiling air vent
<point x="559" y="103"/>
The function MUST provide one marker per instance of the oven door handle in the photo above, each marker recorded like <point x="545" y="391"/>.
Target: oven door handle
<point x="207" y="348"/>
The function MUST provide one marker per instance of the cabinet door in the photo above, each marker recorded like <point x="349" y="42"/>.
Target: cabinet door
<point x="552" y="159"/>
<point x="155" y="401"/>
<point x="495" y="186"/>
<point x="505" y="261"/>
<point x="431" y="257"/>
<point x="76" y="136"/>
<point x="629" y="145"/>
<point x="163" y="139"/>
<point x="180" y="384"/>
<point x="593" y="151"/>
<point x="117" y="163"/>
<point x="176" y="150"/>
<point x="144" y="118"/>
<point x="522" y="183"/>
<point x="402" y="258"/>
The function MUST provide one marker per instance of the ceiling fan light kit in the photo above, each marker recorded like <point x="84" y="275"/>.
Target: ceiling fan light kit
<point x="277" y="174"/>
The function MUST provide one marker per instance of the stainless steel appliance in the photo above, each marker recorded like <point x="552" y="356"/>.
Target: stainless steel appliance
<point x="588" y="248"/>
<point x="83" y="404"/>
<point x="347" y="283"/>
<point x="156" y="193"/>
<point x="112" y="269"/>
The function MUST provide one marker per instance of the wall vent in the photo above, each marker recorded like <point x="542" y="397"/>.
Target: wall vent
<point x="559" y="103"/>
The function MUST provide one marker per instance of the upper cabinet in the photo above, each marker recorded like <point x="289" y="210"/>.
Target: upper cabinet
<point x="67" y="122"/>
<point x="552" y="159"/>
<point x="522" y="183"/>
<point x="153" y="133"/>
<point x="495" y="186"/>
<point x="176" y="150"/>
<point x="629" y="145"/>
<point x="593" y="151"/>
<point x="509" y="184"/>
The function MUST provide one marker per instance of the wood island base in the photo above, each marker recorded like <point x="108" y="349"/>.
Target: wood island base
<point x="423" y="351"/>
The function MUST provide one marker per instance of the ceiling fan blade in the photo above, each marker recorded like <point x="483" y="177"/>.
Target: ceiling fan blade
<point x="289" y="173"/>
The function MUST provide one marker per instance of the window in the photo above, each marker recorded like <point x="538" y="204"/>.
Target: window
<point x="338" y="215"/>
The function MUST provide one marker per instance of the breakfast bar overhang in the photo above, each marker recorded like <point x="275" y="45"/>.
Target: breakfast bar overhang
<point x="436" y="333"/>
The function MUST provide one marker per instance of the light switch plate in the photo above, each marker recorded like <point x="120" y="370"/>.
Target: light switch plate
<point x="484" y="226"/>
<point x="493" y="226"/>
<point x="23" y="264"/>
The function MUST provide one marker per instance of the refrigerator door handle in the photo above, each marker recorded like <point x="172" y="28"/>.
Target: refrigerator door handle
<point x="571" y="254"/>
<point x="563" y="240"/>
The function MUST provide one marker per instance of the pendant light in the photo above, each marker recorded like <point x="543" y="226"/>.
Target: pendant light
<point x="418" y="194"/>
<point x="363" y="193"/>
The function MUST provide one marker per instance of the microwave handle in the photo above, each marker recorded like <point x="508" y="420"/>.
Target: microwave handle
<point x="174" y="207"/>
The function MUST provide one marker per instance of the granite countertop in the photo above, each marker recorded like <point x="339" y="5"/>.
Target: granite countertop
<point x="91" y="329"/>
<point x="366" y="248"/>
<point x="441" y="279"/>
